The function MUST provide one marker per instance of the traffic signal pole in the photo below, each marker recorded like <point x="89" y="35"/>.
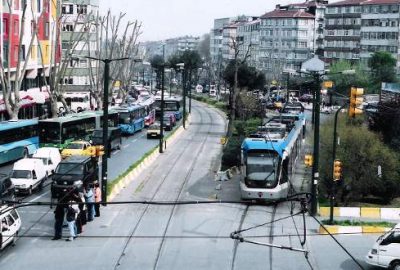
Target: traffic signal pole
<point x="104" y="169"/>
<point x="333" y="187"/>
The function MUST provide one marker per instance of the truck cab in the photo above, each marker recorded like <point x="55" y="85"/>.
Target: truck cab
<point x="386" y="250"/>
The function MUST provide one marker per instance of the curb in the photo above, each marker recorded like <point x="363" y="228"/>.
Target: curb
<point x="336" y="229"/>
<point x="144" y="164"/>
<point x="362" y="212"/>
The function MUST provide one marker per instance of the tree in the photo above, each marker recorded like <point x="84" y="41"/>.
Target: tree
<point x="157" y="63"/>
<point x="204" y="47"/>
<point x="343" y="83"/>
<point x="383" y="68"/>
<point x="361" y="152"/>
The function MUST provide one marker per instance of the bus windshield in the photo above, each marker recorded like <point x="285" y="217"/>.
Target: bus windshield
<point x="124" y="118"/>
<point x="263" y="167"/>
<point x="49" y="132"/>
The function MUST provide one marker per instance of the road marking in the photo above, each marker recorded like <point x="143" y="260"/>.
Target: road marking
<point x="40" y="196"/>
<point x="126" y="146"/>
<point x="115" y="152"/>
<point x="134" y="140"/>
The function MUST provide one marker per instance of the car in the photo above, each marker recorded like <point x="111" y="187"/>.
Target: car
<point x="10" y="224"/>
<point x="168" y="122"/>
<point x="28" y="174"/>
<point x="114" y="138"/>
<point x="7" y="188"/>
<point x="73" y="173"/>
<point x="153" y="131"/>
<point x="50" y="156"/>
<point x="173" y="117"/>
<point x="78" y="148"/>
<point x="386" y="250"/>
<point x="306" y="98"/>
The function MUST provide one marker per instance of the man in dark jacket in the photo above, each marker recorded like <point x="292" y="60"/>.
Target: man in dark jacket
<point x="59" y="213"/>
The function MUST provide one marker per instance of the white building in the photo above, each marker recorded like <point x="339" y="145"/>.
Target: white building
<point x="249" y="36"/>
<point x="81" y="73"/>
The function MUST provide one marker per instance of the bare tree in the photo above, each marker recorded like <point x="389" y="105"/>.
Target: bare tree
<point x="114" y="45"/>
<point x="235" y="46"/>
<point x="11" y="85"/>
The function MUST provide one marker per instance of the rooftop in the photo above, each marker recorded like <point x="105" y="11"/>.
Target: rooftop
<point x="277" y="13"/>
<point x="346" y="3"/>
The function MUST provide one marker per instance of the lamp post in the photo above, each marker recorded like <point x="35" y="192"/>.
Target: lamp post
<point x="288" y="72"/>
<point x="162" y="104"/>
<point x="104" y="169"/>
<point x="182" y="68"/>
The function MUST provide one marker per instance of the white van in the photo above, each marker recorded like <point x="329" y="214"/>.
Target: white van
<point x="386" y="250"/>
<point x="10" y="224"/>
<point x="213" y="91"/>
<point x="50" y="156"/>
<point x="28" y="174"/>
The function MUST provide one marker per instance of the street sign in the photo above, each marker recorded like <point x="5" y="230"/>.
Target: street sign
<point x="327" y="84"/>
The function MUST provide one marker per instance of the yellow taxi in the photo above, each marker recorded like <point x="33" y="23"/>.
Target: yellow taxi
<point x="81" y="148"/>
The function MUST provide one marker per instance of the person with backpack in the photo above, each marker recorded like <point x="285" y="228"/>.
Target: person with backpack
<point x="72" y="213"/>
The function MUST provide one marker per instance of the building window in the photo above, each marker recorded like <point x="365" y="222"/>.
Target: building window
<point x="23" y="52"/>
<point x="16" y="27"/>
<point x="5" y="27"/>
<point x="67" y="9"/>
<point x="16" y="52"/>
<point x="46" y="29"/>
<point x="39" y="5"/>
<point x="68" y="28"/>
<point x="81" y="9"/>
<point x="16" y="4"/>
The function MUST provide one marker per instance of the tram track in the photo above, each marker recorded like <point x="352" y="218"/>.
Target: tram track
<point x="181" y="154"/>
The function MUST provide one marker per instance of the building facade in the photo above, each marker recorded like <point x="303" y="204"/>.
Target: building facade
<point x="79" y="37"/>
<point x="249" y="46"/>
<point x="286" y="39"/>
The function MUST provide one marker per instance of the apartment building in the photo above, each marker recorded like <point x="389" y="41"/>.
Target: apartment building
<point x="286" y="39"/>
<point x="44" y="51"/>
<point x="79" y="37"/>
<point x="249" y="40"/>
<point x="216" y="37"/>
<point x="379" y="28"/>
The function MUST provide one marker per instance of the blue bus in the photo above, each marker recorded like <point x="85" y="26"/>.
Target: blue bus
<point x="18" y="139"/>
<point x="171" y="104"/>
<point x="131" y="118"/>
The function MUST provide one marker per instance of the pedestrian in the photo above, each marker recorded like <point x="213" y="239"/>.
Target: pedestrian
<point x="81" y="217"/>
<point x="97" y="199"/>
<point x="59" y="214"/>
<point x="72" y="212"/>
<point x="89" y="197"/>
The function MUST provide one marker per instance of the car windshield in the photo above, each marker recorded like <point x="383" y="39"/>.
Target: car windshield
<point x="70" y="168"/>
<point x="75" y="146"/>
<point x="21" y="174"/>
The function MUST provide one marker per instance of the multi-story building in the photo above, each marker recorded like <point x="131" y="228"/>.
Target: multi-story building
<point x="249" y="37"/>
<point x="216" y="37"/>
<point x="79" y="37"/>
<point x="380" y="28"/>
<point x="188" y="43"/>
<point x="286" y="39"/>
<point x="42" y="54"/>
<point x="342" y="30"/>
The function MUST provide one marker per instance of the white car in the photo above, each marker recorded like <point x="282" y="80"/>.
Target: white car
<point x="51" y="157"/>
<point x="386" y="250"/>
<point x="10" y="224"/>
<point x="28" y="174"/>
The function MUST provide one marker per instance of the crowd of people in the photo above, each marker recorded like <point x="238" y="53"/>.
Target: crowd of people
<point x="75" y="211"/>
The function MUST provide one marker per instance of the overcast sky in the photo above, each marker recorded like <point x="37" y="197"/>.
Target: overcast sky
<point x="163" y="19"/>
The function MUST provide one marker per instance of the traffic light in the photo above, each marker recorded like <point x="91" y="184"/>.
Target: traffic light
<point x="308" y="160"/>
<point x="99" y="150"/>
<point x="356" y="100"/>
<point x="337" y="170"/>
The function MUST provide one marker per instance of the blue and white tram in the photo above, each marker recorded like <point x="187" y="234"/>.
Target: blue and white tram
<point x="268" y="160"/>
<point x="131" y="118"/>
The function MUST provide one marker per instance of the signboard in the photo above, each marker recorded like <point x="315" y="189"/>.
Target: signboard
<point x="327" y="84"/>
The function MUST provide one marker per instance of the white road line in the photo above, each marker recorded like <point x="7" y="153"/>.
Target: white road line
<point x="37" y="198"/>
<point x="126" y="146"/>
<point x="115" y="152"/>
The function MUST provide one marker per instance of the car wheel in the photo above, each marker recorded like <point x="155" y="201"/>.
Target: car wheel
<point x="395" y="265"/>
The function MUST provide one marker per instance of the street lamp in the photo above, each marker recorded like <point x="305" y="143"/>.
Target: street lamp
<point x="104" y="162"/>
<point x="182" y="69"/>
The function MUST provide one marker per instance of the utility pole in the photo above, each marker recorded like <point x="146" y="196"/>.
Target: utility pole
<point x="104" y="163"/>
<point x="161" y="146"/>
<point x="184" y="98"/>
<point x="315" y="170"/>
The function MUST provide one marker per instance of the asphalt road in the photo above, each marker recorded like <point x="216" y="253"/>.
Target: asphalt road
<point x="189" y="236"/>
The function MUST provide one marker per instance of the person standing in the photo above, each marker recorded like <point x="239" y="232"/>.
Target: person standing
<point x="72" y="213"/>
<point x="59" y="214"/>
<point x="89" y="197"/>
<point x="97" y="199"/>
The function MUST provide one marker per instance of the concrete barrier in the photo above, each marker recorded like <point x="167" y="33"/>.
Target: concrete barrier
<point x="362" y="212"/>
<point x="336" y="229"/>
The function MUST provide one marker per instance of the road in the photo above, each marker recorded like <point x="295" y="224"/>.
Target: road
<point x="188" y="236"/>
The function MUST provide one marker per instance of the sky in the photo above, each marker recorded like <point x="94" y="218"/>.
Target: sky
<point x="162" y="19"/>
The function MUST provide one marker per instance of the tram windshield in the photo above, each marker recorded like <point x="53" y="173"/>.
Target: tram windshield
<point x="263" y="167"/>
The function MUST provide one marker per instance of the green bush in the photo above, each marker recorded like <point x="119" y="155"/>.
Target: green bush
<point x="231" y="153"/>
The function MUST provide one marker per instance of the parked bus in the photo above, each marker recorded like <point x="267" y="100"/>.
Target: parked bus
<point x="131" y="118"/>
<point x="59" y="132"/>
<point x="18" y="139"/>
<point x="171" y="104"/>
